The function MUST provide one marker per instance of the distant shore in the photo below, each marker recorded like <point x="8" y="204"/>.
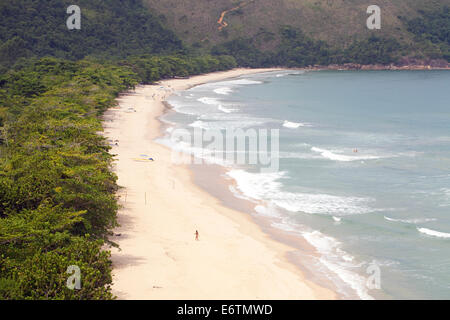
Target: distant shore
<point x="406" y="65"/>
<point x="162" y="208"/>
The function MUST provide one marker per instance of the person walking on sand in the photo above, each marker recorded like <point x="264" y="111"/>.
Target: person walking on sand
<point x="196" y="235"/>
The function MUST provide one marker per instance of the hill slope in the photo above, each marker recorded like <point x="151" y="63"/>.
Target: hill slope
<point x="108" y="28"/>
<point x="292" y="33"/>
<point x="338" y="22"/>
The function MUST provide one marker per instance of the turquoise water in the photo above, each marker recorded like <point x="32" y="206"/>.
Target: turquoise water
<point x="388" y="204"/>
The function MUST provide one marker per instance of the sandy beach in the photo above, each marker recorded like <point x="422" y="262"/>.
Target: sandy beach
<point x="162" y="208"/>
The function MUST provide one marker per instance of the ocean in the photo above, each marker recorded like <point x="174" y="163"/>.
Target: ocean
<point x="363" y="169"/>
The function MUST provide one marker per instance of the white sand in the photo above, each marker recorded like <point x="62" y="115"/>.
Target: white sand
<point x="159" y="257"/>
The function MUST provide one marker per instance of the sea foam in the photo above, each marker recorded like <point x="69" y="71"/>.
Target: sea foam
<point x="434" y="233"/>
<point x="242" y="82"/>
<point x="226" y="125"/>
<point x="267" y="186"/>
<point x="223" y="90"/>
<point x="226" y="110"/>
<point x="338" y="261"/>
<point x="209" y="100"/>
<point x="342" y="157"/>
<point x="293" y="125"/>
<point x="411" y="221"/>
<point x="335" y="262"/>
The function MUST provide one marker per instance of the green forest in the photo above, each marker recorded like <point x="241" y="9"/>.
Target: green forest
<point x="57" y="190"/>
<point x="431" y="35"/>
<point x="116" y="29"/>
<point x="298" y="50"/>
<point x="432" y="32"/>
<point x="109" y="29"/>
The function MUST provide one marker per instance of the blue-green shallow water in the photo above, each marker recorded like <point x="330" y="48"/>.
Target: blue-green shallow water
<point x="388" y="203"/>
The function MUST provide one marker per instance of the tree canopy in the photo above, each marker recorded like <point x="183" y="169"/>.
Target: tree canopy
<point x="57" y="190"/>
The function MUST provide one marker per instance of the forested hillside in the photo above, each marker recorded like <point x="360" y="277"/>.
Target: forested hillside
<point x="111" y="28"/>
<point x="257" y="33"/>
<point x="432" y="32"/>
<point x="340" y="24"/>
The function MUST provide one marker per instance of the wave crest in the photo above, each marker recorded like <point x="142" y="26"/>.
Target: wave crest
<point x="342" y="157"/>
<point x="411" y="221"/>
<point x="434" y="233"/>
<point x="294" y="125"/>
<point x="223" y="90"/>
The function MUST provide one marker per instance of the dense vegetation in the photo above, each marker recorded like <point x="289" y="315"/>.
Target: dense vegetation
<point x="111" y="28"/>
<point x="57" y="191"/>
<point x="432" y="39"/>
<point x="339" y="23"/>
<point x="299" y="50"/>
<point x="56" y="188"/>
<point x="116" y="29"/>
<point x="153" y="68"/>
<point x="432" y="32"/>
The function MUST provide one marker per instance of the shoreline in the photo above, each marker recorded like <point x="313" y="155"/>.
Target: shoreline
<point x="429" y="65"/>
<point x="302" y="255"/>
<point x="162" y="206"/>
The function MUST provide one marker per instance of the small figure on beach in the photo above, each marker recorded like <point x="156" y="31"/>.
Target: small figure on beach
<point x="355" y="150"/>
<point x="196" y="235"/>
